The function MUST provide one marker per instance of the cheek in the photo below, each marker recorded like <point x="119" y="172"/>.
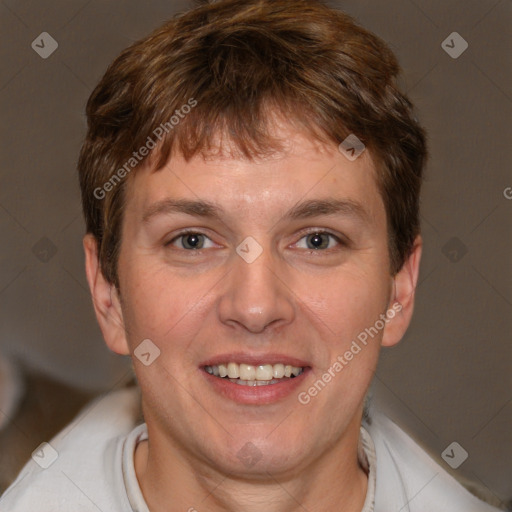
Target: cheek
<point x="149" y="305"/>
<point x="346" y="303"/>
<point x="160" y="304"/>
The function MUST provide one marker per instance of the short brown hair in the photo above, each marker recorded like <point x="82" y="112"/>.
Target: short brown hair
<point x="236" y="61"/>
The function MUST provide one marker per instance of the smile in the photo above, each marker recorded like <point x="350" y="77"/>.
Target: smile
<point x="254" y="375"/>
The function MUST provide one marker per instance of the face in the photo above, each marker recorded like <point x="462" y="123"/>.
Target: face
<point x="258" y="269"/>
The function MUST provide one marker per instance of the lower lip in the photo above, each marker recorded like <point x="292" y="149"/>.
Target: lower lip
<point x="256" y="395"/>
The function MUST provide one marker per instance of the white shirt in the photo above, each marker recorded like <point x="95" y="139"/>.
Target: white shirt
<point x="89" y="467"/>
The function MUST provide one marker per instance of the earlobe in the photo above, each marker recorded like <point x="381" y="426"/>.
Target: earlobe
<point x="402" y="299"/>
<point x="107" y="305"/>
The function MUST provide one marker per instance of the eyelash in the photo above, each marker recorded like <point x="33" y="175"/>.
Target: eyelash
<point x="340" y="241"/>
<point x="183" y="234"/>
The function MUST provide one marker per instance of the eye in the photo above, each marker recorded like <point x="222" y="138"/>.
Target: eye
<point x="191" y="241"/>
<point x="318" y="240"/>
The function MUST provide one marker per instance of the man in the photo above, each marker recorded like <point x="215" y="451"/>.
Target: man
<point x="250" y="182"/>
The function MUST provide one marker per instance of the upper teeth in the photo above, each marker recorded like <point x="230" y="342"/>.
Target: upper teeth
<point x="257" y="372"/>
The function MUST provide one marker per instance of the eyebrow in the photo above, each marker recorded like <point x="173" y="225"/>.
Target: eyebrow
<point x="330" y="206"/>
<point x="195" y="208"/>
<point x="302" y="210"/>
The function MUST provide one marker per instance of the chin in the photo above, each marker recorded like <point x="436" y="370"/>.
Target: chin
<point x="261" y="456"/>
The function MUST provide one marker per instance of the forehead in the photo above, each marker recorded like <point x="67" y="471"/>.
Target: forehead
<point x="304" y="169"/>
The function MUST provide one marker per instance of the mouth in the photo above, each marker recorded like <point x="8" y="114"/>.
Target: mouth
<point x="253" y="379"/>
<point x="254" y="375"/>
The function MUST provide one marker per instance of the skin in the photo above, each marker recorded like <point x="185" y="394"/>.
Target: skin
<point x="294" y="300"/>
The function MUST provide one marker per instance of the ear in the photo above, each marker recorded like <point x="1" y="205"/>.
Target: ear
<point x="105" y="298"/>
<point x="401" y="304"/>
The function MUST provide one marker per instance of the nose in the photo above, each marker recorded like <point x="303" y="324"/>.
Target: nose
<point x="256" y="296"/>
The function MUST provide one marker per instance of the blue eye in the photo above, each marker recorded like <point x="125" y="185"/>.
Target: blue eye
<point x="319" y="240"/>
<point x="191" y="241"/>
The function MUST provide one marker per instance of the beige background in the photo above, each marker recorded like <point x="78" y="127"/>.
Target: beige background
<point x="450" y="378"/>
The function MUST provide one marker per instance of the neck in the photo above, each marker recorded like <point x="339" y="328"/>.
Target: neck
<point x="173" y="480"/>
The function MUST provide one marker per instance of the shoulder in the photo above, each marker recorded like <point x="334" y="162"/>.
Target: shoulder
<point x="77" y="470"/>
<point x="408" y="479"/>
